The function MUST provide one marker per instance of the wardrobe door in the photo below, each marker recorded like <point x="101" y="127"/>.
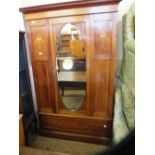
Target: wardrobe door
<point x="38" y="34"/>
<point x="102" y="62"/>
<point x="69" y="41"/>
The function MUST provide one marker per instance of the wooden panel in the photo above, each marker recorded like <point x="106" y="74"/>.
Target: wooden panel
<point x="101" y="33"/>
<point x="102" y="36"/>
<point x="101" y="90"/>
<point x="75" y="136"/>
<point x="72" y="12"/>
<point x="38" y="35"/>
<point x="74" y="124"/>
<point x="44" y="95"/>
<point x="39" y="39"/>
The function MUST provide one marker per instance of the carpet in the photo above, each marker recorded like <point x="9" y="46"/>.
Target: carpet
<point x="65" y="146"/>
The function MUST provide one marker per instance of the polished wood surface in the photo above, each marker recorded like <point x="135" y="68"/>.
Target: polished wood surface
<point x="75" y="136"/>
<point x="101" y="34"/>
<point x="67" y="5"/>
<point x="97" y="24"/>
<point x="43" y="86"/>
<point x="21" y="131"/>
<point x="39" y="40"/>
<point x="71" y="12"/>
<point x="38" y="35"/>
<point x="83" y="125"/>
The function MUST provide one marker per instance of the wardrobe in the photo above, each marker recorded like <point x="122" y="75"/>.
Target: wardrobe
<point x="72" y="47"/>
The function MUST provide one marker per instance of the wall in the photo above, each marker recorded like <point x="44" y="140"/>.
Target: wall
<point x="26" y="3"/>
<point x="21" y="22"/>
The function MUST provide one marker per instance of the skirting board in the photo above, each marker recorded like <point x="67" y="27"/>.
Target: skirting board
<point x="76" y="137"/>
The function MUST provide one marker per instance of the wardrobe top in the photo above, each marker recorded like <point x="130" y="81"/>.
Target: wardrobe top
<point x="67" y="5"/>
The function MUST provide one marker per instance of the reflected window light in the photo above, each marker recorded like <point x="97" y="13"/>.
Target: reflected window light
<point x="67" y="64"/>
<point x="33" y="22"/>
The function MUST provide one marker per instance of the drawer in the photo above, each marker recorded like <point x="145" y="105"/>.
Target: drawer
<point x="89" y="125"/>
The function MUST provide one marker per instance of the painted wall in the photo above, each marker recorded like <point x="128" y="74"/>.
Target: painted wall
<point x="21" y="22"/>
<point x="25" y="3"/>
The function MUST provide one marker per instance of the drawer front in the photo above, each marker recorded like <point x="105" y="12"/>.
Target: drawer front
<point x="89" y="126"/>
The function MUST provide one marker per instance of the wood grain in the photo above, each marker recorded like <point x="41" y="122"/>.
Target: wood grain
<point x="38" y="35"/>
<point x="101" y="41"/>
<point x="21" y="131"/>
<point x="67" y="5"/>
<point x="89" y="126"/>
<point x="71" y="12"/>
<point x="77" y="137"/>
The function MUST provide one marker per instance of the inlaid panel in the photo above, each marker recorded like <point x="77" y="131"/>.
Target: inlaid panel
<point x="102" y="36"/>
<point x="42" y="64"/>
<point x="39" y="39"/>
<point x="101" y="62"/>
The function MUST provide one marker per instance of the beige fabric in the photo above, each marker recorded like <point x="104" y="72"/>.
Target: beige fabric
<point x="128" y="70"/>
<point x="120" y="129"/>
<point x="128" y="24"/>
<point x="128" y="106"/>
<point x="130" y="45"/>
<point x="124" y="108"/>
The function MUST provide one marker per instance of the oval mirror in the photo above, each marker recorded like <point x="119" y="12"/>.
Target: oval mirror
<point x="71" y="67"/>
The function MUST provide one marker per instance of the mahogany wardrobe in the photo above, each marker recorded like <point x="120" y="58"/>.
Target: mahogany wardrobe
<point x="72" y="47"/>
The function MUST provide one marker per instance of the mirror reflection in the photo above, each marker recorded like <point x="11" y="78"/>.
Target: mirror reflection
<point x="71" y="66"/>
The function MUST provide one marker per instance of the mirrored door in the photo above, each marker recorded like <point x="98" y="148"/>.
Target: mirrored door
<point x="71" y="63"/>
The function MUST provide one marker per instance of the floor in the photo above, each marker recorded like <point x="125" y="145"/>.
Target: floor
<point x="65" y="146"/>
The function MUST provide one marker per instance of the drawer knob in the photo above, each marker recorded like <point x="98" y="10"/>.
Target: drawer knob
<point x="105" y="126"/>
